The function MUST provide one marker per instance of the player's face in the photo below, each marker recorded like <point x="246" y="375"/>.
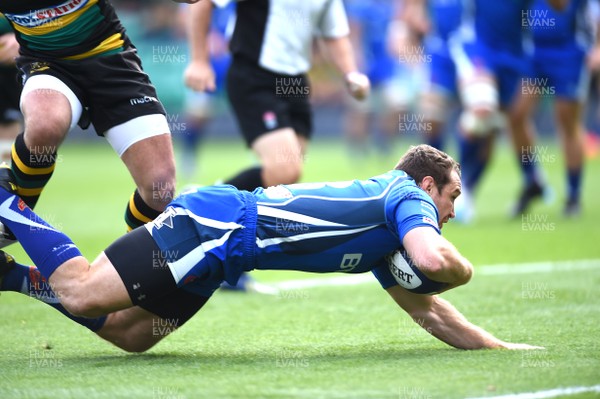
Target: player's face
<point x="444" y="200"/>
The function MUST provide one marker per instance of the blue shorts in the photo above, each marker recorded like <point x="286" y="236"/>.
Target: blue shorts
<point x="207" y="237"/>
<point x="563" y="69"/>
<point x="507" y="67"/>
<point x="442" y="74"/>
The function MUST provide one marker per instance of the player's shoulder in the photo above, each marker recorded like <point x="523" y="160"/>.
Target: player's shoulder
<point x="403" y="187"/>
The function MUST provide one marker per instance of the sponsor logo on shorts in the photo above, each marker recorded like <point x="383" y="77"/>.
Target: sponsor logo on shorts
<point x="143" y="100"/>
<point x="43" y="16"/>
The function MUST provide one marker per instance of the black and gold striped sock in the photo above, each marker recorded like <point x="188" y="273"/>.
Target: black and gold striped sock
<point x="32" y="169"/>
<point x="138" y="212"/>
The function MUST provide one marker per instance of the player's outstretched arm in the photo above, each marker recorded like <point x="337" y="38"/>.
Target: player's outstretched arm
<point x="442" y="320"/>
<point x="436" y="257"/>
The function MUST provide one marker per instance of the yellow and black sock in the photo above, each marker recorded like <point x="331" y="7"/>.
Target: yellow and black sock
<point x="138" y="212"/>
<point x="32" y="169"/>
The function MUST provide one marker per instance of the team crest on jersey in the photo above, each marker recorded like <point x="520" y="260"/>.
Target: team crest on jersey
<point x="165" y="218"/>
<point x="270" y="120"/>
<point x="42" y="16"/>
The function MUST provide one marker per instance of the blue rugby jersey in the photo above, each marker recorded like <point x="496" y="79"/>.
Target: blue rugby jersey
<point x="216" y="233"/>
<point x="340" y="226"/>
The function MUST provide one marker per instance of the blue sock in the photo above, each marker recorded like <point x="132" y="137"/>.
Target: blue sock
<point x="529" y="168"/>
<point x="48" y="248"/>
<point x="472" y="161"/>
<point x="28" y="280"/>
<point x="573" y="184"/>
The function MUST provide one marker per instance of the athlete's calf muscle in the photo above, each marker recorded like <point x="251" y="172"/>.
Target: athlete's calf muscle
<point x="89" y="290"/>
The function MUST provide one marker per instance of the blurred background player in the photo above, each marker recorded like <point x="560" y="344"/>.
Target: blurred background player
<point x="490" y="58"/>
<point x="201" y="106"/>
<point x="434" y="21"/>
<point x="375" y="35"/>
<point x="562" y="41"/>
<point x="11" y="120"/>
<point x="267" y="84"/>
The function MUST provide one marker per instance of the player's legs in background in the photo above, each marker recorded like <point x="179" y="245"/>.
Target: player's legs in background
<point x="50" y="110"/>
<point x="480" y="120"/>
<point x="569" y="115"/>
<point x="281" y="155"/>
<point x="522" y="132"/>
<point x="357" y="118"/>
<point x="152" y="166"/>
<point x="434" y="106"/>
<point x="198" y="112"/>
<point x="148" y="155"/>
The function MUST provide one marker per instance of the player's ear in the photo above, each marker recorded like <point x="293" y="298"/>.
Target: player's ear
<point x="427" y="184"/>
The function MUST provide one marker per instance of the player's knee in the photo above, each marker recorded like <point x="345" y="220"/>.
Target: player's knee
<point x="46" y="125"/>
<point x="285" y="173"/>
<point x="47" y="131"/>
<point x="133" y="344"/>
<point x="480" y="100"/>
<point x="480" y="121"/>
<point x="79" y="303"/>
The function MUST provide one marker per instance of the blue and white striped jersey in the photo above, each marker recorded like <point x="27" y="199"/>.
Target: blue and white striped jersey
<point x="218" y="232"/>
<point x="340" y="226"/>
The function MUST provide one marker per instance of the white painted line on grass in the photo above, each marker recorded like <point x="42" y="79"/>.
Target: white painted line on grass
<point x="552" y="393"/>
<point x="486" y="270"/>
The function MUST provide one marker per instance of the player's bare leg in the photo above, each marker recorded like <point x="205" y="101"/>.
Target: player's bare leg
<point x="135" y="329"/>
<point x="89" y="290"/>
<point x="48" y="117"/>
<point x="569" y="115"/>
<point x="152" y="165"/>
<point x="522" y="132"/>
<point x="281" y="153"/>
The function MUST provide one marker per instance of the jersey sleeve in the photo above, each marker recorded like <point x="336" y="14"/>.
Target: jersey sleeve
<point x="383" y="274"/>
<point x="409" y="207"/>
<point x="334" y="22"/>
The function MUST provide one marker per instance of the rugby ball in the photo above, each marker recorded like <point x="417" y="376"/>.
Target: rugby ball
<point x="408" y="275"/>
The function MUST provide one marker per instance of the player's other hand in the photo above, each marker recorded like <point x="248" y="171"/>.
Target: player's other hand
<point x="200" y="76"/>
<point x="358" y="85"/>
<point x="9" y="49"/>
<point x="520" y="347"/>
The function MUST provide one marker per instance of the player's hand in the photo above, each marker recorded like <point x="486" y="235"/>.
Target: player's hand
<point x="358" y="85"/>
<point x="520" y="347"/>
<point x="9" y="49"/>
<point x="187" y="1"/>
<point x="200" y="76"/>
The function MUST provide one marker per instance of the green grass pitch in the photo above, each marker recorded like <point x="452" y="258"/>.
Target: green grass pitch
<point x="327" y="342"/>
